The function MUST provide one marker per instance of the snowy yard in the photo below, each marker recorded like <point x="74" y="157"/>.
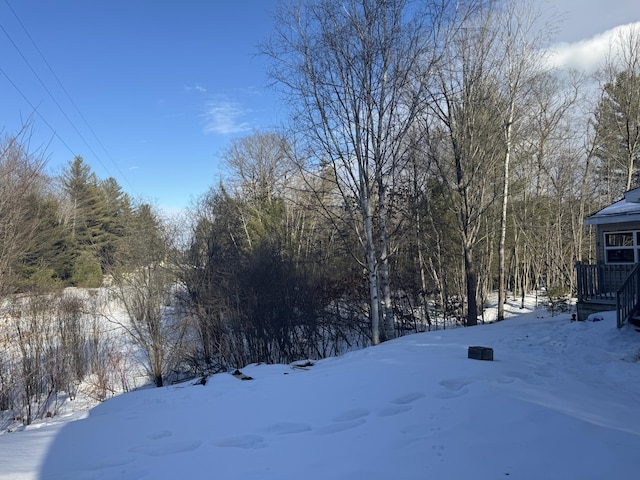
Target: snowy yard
<point x="561" y="400"/>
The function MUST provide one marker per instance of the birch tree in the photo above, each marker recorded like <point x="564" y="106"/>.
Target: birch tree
<point x="519" y="49"/>
<point x="350" y="72"/>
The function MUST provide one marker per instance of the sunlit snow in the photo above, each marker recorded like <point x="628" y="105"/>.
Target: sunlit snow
<point x="561" y="400"/>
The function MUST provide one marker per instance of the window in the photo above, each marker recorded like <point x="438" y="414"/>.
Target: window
<point x="622" y="247"/>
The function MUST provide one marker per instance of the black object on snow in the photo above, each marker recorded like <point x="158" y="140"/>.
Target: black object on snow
<point x="481" y="353"/>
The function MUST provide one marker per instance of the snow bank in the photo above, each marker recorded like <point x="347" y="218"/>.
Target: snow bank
<point x="559" y="401"/>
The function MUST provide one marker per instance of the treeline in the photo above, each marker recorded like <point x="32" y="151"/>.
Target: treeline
<point x="74" y="230"/>
<point x="433" y="157"/>
<point x="58" y="232"/>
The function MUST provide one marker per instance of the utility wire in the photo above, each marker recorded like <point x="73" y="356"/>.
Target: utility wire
<point x="35" y="110"/>
<point x="56" y="102"/>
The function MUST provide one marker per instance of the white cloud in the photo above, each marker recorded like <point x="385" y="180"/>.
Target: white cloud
<point x="225" y="117"/>
<point x="197" y="87"/>
<point x="587" y="55"/>
<point x="579" y="20"/>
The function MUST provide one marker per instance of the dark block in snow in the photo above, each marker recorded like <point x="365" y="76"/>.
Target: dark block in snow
<point x="481" y="353"/>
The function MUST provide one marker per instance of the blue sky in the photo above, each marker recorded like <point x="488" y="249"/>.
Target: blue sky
<point x="160" y="86"/>
<point x="151" y="92"/>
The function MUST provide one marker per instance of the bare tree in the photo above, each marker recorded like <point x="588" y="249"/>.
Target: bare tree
<point x="350" y="71"/>
<point x="554" y="184"/>
<point x="482" y="96"/>
<point x="519" y="49"/>
<point x="259" y="168"/>
<point x="143" y="285"/>
<point x="259" y="165"/>
<point x="466" y="143"/>
<point x="20" y="178"/>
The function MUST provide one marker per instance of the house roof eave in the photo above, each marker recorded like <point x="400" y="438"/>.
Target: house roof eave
<point x="632" y="195"/>
<point x="612" y="218"/>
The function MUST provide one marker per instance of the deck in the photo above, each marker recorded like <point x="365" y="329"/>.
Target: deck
<point x="607" y="287"/>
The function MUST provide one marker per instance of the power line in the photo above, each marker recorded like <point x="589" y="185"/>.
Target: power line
<point x="57" y="103"/>
<point x="35" y="110"/>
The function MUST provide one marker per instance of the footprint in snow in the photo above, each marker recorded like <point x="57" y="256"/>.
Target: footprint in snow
<point x="350" y="415"/>
<point x="287" y="428"/>
<point x="241" y="441"/>
<point x="159" y="435"/>
<point x="400" y="404"/>
<point x="454" y="387"/>
<point x="408" y="398"/>
<point x="392" y="410"/>
<point x="165" y="449"/>
<point x="339" y="427"/>
<point x="345" y="421"/>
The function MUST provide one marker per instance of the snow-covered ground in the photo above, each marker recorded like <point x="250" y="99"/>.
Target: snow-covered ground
<point x="561" y="400"/>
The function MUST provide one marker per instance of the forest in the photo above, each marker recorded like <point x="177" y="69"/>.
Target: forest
<point x="433" y="157"/>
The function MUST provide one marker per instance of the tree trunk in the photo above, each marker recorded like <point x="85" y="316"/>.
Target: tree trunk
<point x="472" y="287"/>
<point x="385" y="282"/>
<point x="372" y="271"/>
<point x="503" y="218"/>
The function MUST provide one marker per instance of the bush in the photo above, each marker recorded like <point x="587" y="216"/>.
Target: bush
<point x="40" y="280"/>
<point x="558" y="300"/>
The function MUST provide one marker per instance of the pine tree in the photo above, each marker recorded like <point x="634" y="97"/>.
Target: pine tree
<point x="96" y="218"/>
<point x="617" y="125"/>
<point x="116" y="215"/>
<point x="48" y="263"/>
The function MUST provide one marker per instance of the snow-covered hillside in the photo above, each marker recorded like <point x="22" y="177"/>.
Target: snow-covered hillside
<point x="561" y="400"/>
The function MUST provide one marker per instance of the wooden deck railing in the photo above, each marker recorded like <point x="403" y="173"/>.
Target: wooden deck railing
<point x="628" y="297"/>
<point x="600" y="282"/>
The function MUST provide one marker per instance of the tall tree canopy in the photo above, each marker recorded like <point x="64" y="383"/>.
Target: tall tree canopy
<point x="96" y="215"/>
<point x="353" y="72"/>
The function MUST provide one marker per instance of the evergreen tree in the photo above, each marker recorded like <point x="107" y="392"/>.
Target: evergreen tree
<point x="48" y="263"/>
<point x="21" y="181"/>
<point x="97" y="214"/>
<point x="117" y="215"/>
<point x="617" y="125"/>
<point x="143" y="243"/>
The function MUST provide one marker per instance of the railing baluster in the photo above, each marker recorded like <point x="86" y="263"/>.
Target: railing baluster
<point x="628" y="297"/>
<point x="602" y="282"/>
